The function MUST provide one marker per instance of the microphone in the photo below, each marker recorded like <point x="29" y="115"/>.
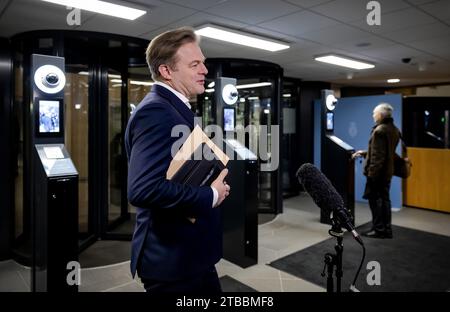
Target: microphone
<point x="325" y="196"/>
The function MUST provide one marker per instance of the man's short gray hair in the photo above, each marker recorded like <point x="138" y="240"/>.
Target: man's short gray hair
<point x="384" y="109"/>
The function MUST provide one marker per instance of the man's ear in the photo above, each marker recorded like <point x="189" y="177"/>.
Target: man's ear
<point x="165" y="72"/>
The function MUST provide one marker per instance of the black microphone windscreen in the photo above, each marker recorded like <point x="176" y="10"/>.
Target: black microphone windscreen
<point x="319" y="188"/>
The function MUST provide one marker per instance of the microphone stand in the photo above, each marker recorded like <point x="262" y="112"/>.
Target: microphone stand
<point x="334" y="260"/>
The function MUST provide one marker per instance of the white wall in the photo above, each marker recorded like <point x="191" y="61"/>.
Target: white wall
<point x="433" y="91"/>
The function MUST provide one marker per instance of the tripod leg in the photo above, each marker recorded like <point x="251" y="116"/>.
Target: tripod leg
<point x="338" y="261"/>
<point x="329" y="263"/>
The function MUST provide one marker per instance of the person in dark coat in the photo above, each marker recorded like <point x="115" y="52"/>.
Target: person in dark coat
<point x="379" y="168"/>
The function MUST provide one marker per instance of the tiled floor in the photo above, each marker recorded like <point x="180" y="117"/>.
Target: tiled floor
<point x="297" y="228"/>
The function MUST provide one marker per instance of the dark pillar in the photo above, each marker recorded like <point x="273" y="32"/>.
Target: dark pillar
<point x="6" y="178"/>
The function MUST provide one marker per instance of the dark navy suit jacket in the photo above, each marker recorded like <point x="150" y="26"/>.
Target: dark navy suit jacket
<point x="166" y="245"/>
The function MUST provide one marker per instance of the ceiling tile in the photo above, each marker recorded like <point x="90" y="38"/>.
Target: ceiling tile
<point x="149" y="35"/>
<point x="3" y="4"/>
<point x="215" y="48"/>
<point x="202" y="18"/>
<point x="299" y="23"/>
<point x="396" y="21"/>
<point x="308" y="70"/>
<point x="337" y="33"/>
<point x="38" y="16"/>
<point x="298" y="51"/>
<point x="419" y="2"/>
<point x="369" y="42"/>
<point x="436" y="46"/>
<point x="264" y="32"/>
<point x="307" y="3"/>
<point x="196" y="4"/>
<point x="419" y="33"/>
<point x="393" y="53"/>
<point x="107" y="24"/>
<point x="162" y="13"/>
<point x="352" y="10"/>
<point x="439" y="9"/>
<point x="245" y="10"/>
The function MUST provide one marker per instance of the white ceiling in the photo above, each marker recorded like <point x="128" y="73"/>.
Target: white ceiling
<point x="416" y="29"/>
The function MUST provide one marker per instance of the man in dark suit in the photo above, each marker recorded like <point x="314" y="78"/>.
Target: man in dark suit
<point x="379" y="168"/>
<point x="170" y="251"/>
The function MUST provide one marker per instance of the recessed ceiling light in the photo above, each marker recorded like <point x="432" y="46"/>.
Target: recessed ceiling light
<point x="245" y="86"/>
<point x="254" y="85"/>
<point x="102" y="7"/>
<point x="141" y="83"/>
<point x="241" y="38"/>
<point x="393" y="80"/>
<point x="343" y="61"/>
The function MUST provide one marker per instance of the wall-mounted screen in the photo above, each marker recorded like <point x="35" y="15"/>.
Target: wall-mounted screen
<point x="330" y="121"/>
<point x="228" y="119"/>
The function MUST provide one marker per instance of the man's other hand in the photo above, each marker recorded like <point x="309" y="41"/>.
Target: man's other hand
<point x="223" y="189"/>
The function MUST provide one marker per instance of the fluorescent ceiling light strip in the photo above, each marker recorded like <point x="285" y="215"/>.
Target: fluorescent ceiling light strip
<point x="345" y="62"/>
<point x="233" y="37"/>
<point x="246" y="86"/>
<point x="393" y="80"/>
<point x="85" y="73"/>
<point x="254" y="85"/>
<point x="141" y="83"/>
<point x="102" y="7"/>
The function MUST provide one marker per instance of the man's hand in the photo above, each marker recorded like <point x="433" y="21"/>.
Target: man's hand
<point x="360" y="153"/>
<point x="223" y="189"/>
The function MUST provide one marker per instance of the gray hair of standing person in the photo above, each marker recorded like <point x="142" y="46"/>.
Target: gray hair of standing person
<point x="384" y="109"/>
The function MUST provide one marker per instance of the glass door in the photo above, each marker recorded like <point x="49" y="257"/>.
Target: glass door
<point x="255" y="111"/>
<point x="258" y="111"/>
<point x="117" y="212"/>
<point x="76" y="108"/>
<point x="125" y="92"/>
<point x="290" y="99"/>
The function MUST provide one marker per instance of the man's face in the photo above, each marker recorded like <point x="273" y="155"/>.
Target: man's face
<point x="188" y="74"/>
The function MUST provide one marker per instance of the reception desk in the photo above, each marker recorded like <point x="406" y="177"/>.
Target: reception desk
<point x="429" y="183"/>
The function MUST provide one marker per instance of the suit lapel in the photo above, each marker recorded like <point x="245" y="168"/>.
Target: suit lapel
<point x="176" y="103"/>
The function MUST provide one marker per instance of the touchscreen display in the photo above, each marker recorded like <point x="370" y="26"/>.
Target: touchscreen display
<point x="49" y="116"/>
<point x="330" y="121"/>
<point x="228" y="119"/>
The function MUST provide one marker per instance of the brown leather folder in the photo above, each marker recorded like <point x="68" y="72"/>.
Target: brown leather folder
<point x="198" y="162"/>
